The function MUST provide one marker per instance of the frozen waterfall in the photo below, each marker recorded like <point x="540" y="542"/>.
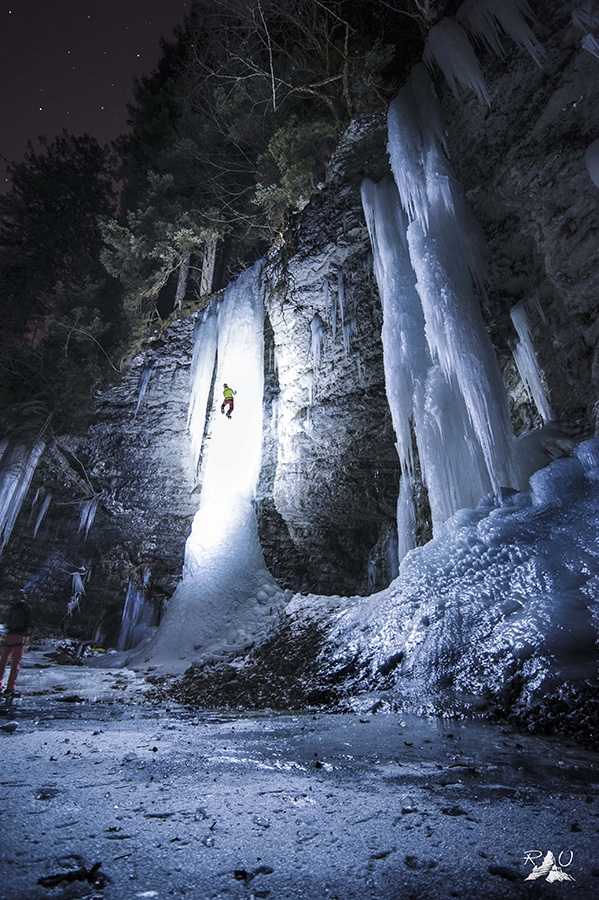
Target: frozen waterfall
<point x="227" y="598"/>
<point x="442" y="376"/>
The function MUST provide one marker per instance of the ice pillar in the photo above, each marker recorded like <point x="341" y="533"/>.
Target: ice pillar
<point x="442" y="376"/>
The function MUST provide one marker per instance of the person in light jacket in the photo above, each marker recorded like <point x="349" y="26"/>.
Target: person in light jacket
<point x="228" y="401"/>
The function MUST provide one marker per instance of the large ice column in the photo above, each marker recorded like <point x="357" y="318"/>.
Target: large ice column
<point x="226" y="599"/>
<point x="406" y="357"/>
<point x="442" y="377"/>
<point x="447" y="251"/>
<point x="232" y="461"/>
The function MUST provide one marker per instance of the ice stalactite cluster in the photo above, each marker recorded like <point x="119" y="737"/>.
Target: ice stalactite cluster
<point x="489" y="20"/>
<point x="443" y="380"/>
<point x="226" y="598"/>
<point x="527" y="363"/>
<point x="448" y="42"/>
<point x="17" y="468"/>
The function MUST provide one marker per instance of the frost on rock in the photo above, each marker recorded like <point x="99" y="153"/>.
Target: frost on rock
<point x="507" y="591"/>
<point x="487" y="20"/>
<point x="42" y="512"/>
<point x="227" y="599"/>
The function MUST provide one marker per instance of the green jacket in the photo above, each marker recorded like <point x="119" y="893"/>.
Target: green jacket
<point x="228" y="393"/>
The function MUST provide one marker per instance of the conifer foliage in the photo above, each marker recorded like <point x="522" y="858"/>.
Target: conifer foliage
<point x="60" y="310"/>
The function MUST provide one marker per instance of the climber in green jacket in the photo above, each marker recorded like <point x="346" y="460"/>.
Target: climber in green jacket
<point x="228" y="401"/>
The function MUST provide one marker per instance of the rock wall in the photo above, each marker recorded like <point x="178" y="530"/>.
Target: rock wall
<point x="336" y="477"/>
<point x="522" y="161"/>
<point x="135" y="462"/>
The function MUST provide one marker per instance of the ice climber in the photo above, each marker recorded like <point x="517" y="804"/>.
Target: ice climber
<point x="18" y="626"/>
<point x="228" y="401"/>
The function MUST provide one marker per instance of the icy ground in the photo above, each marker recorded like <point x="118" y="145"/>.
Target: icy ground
<point x="224" y="805"/>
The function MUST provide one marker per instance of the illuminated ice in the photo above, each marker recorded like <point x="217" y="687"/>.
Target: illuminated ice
<point x="227" y="599"/>
<point x="508" y="590"/>
<point x="441" y="374"/>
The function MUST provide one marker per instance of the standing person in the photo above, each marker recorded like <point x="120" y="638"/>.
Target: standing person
<point x="18" y="626"/>
<point x="228" y="401"/>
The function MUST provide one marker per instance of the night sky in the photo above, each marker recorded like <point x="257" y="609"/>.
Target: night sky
<point x="71" y="63"/>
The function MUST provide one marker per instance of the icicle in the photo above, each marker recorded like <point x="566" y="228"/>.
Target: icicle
<point x="201" y="373"/>
<point x="441" y="373"/>
<point x="591" y="158"/>
<point x="87" y="515"/>
<point x="405" y="353"/>
<point x="327" y="291"/>
<point x="236" y="445"/>
<point x="42" y="513"/>
<point x="486" y="19"/>
<point x="143" y="384"/>
<point x="360" y="370"/>
<point x="317" y="329"/>
<point x="448" y="45"/>
<point x="591" y="44"/>
<point x="349" y="329"/>
<point x="586" y="16"/>
<point x="138" y="614"/>
<point x="341" y="296"/>
<point x="334" y="318"/>
<point x="527" y="363"/>
<point x="18" y="468"/>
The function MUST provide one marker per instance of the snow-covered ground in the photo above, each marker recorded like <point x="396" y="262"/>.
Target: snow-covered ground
<point x="174" y="803"/>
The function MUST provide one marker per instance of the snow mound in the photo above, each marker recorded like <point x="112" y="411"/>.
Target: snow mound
<point x="507" y="595"/>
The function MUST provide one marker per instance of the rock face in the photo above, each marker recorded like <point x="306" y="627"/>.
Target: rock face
<point x="522" y="160"/>
<point x="335" y="482"/>
<point x="329" y="482"/>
